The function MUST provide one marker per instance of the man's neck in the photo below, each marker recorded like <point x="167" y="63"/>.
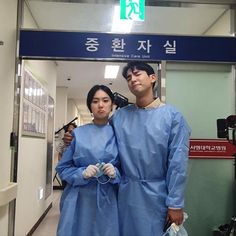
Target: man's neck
<point x="144" y="101"/>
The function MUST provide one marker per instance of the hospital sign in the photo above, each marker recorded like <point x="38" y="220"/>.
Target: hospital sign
<point x="108" y="46"/>
<point x="211" y="149"/>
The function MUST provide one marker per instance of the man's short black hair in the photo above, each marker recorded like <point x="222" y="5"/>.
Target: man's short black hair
<point x="137" y="65"/>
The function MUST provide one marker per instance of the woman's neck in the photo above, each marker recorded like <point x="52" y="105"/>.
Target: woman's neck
<point x="100" y="122"/>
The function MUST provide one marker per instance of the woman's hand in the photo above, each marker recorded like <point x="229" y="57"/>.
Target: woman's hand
<point x="90" y="171"/>
<point x="109" y="170"/>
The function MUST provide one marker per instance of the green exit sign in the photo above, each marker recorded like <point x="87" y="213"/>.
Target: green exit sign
<point x="132" y="10"/>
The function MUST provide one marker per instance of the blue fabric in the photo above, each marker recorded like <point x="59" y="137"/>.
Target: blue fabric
<point x="153" y="150"/>
<point x="87" y="207"/>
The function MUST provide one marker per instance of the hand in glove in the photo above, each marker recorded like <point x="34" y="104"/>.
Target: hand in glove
<point x="109" y="170"/>
<point x="90" y="171"/>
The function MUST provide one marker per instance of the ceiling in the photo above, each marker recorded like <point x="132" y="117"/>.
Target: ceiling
<point x="162" y="17"/>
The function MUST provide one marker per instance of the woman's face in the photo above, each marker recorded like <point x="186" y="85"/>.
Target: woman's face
<point x="101" y="107"/>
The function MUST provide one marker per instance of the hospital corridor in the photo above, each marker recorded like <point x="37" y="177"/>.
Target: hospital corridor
<point x="48" y="226"/>
<point x="130" y="104"/>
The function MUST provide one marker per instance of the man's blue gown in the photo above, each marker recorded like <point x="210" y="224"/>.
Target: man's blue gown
<point x="153" y="150"/>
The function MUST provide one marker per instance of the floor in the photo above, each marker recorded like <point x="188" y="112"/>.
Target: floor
<point x="48" y="226"/>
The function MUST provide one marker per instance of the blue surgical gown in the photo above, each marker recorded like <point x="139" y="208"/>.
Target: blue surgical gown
<point x="153" y="149"/>
<point x="87" y="207"/>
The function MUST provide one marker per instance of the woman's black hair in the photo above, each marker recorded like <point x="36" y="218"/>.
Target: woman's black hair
<point x="137" y="65"/>
<point x="92" y="92"/>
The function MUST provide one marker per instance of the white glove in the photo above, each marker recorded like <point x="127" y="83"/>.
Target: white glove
<point x="90" y="171"/>
<point x="109" y="170"/>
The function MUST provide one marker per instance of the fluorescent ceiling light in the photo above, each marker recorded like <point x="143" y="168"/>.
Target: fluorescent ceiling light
<point x="111" y="71"/>
<point x="119" y="25"/>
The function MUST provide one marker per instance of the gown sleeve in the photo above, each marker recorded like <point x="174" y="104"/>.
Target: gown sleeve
<point x="67" y="170"/>
<point x="178" y="148"/>
<point x="116" y="164"/>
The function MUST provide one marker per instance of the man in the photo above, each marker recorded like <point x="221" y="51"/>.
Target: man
<point x="153" y="141"/>
<point x="61" y="146"/>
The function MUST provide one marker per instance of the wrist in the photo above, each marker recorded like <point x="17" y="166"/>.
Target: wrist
<point x="113" y="176"/>
<point x="84" y="174"/>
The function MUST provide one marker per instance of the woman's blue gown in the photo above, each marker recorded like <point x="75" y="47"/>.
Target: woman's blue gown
<point x="87" y="207"/>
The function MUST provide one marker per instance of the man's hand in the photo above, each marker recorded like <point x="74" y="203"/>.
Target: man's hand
<point x="175" y="216"/>
<point x="67" y="138"/>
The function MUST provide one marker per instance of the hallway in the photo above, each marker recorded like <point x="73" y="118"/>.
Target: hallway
<point x="48" y="226"/>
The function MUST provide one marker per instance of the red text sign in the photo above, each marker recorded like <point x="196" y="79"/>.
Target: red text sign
<point x="211" y="148"/>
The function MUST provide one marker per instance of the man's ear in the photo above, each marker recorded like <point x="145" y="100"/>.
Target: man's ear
<point x="153" y="78"/>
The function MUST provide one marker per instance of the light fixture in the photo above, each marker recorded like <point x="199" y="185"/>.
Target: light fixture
<point x="111" y="71"/>
<point x="119" y="25"/>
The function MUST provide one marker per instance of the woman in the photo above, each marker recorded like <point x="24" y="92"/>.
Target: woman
<point x="89" y="202"/>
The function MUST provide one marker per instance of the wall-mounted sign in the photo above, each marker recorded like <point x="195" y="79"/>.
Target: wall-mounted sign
<point x="211" y="149"/>
<point x="34" y="107"/>
<point x="95" y="46"/>
<point x="132" y="10"/>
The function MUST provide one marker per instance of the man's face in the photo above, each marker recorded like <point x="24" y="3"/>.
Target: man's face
<point x="139" y="82"/>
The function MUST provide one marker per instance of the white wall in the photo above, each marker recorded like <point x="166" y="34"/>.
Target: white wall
<point x="221" y="26"/>
<point x="60" y="120"/>
<point x="32" y="155"/>
<point x="32" y="159"/>
<point x="72" y="111"/>
<point x="8" y="13"/>
<point x="61" y="107"/>
<point x="203" y="93"/>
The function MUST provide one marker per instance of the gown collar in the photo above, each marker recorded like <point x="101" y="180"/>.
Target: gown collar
<point x="155" y="104"/>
